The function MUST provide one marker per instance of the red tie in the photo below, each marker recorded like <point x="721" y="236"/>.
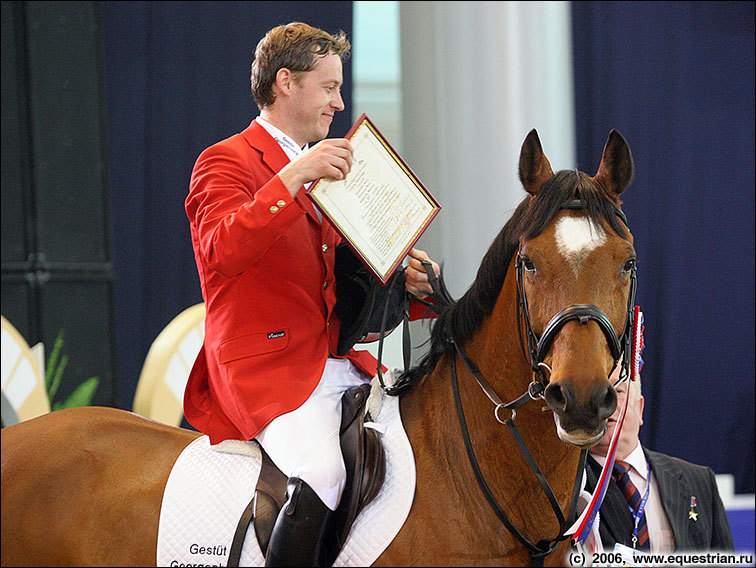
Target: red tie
<point x="633" y="497"/>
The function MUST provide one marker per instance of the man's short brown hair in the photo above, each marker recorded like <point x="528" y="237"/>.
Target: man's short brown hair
<point x="295" y="47"/>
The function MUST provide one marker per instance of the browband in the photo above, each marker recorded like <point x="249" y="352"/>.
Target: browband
<point x="577" y="204"/>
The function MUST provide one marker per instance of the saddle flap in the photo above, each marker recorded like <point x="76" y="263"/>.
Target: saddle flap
<point x="365" y="463"/>
<point x="363" y="458"/>
<point x="270" y="496"/>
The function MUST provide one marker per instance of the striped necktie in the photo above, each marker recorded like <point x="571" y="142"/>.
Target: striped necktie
<point x="633" y="496"/>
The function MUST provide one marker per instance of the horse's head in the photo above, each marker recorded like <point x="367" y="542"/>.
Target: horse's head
<point x="576" y="272"/>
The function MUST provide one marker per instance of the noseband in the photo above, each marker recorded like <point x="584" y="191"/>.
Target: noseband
<point x="538" y="348"/>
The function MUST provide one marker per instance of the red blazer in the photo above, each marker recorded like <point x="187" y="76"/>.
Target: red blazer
<point x="265" y="264"/>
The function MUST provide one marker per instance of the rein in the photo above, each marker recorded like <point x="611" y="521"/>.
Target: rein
<point x="538" y="551"/>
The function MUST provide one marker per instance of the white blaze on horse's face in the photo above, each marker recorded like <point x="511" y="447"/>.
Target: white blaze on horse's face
<point x="576" y="237"/>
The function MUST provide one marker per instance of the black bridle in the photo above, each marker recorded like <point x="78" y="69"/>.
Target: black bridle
<point x="537" y="350"/>
<point x="583" y="313"/>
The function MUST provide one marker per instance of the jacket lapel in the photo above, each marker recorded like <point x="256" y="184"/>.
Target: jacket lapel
<point x="276" y="159"/>
<point x="675" y="495"/>
<point x="272" y="154"/>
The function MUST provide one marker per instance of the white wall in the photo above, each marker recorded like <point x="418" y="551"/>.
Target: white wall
<point x="474" y="78"/>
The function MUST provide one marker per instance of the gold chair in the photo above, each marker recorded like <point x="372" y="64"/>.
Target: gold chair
<point x="160" y="391"/>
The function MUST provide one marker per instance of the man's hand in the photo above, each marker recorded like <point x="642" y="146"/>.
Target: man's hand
<point x="417" y="279"/>
<point x="331" y="158"/>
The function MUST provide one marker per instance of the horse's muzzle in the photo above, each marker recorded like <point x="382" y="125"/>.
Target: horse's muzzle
<point x="579" y="423"/>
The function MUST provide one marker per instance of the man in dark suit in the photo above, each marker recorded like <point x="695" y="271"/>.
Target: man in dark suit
<point x="680" y="505"/>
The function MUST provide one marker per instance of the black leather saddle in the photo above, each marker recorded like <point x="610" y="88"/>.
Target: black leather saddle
<point x="365" y="463"/>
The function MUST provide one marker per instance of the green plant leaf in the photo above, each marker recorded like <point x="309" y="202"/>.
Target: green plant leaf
<point x="56" y="366"/>
<point x="51" y="367"/>
<point x="81" y="396"/>
<point x="57" y="377"/>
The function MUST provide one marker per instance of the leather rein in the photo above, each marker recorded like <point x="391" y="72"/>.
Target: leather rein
<point x="537" y="350"/>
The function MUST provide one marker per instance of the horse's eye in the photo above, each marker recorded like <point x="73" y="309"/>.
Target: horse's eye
<point x="629" y="266"/>
<point x="528" y="265"/>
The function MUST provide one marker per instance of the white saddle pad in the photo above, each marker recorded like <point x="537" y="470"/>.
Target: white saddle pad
<point x="210" y="486"/>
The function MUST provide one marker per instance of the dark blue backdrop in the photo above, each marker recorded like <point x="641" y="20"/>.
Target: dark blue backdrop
<point x="677" y="79"/>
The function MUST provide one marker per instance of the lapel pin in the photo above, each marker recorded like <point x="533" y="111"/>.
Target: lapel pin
<point x="692" y="513"/>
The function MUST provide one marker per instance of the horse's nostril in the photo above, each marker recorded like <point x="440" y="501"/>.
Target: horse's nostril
<point x="605" y="401"/>
<point x="559" y="397"/>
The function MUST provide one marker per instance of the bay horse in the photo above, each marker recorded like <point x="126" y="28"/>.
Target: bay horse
<point x="543" y="325"/>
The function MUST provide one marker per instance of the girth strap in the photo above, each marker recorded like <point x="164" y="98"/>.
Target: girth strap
<point x="234" y="553"/>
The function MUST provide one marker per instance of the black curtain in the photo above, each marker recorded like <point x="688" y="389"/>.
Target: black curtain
<point x="177" y="80"/>
<point x="677" y="79"/>
<point x="56" y="258"/>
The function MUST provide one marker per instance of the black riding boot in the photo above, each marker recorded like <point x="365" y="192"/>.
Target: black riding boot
<point x="300" y="528"/>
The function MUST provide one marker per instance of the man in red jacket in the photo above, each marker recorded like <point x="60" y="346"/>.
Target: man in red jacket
<point x="268" y="367"/>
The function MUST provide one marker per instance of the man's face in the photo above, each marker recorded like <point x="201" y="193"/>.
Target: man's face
<point x="315" y="97"/>
<point x="630" y="427"/>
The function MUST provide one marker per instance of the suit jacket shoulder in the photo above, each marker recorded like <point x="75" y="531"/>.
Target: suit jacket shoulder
<point x="692" y="504"/>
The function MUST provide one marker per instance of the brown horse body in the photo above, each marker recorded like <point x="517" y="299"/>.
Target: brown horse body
<point x="84" y="486"/>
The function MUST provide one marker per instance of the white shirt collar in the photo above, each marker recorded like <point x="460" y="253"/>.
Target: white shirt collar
<point x="636" y="458"/>
<point x="287" y="144"/>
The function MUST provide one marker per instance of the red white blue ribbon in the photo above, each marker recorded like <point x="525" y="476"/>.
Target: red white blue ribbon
<point x="581" y="530"/>
<point x="636" y="362"/>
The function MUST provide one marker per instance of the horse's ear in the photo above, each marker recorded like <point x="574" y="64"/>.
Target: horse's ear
<point x="616" y="169"/>
<point x="535" y="169"/>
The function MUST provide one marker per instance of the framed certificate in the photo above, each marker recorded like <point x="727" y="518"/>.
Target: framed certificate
<point x="381" y="209"/>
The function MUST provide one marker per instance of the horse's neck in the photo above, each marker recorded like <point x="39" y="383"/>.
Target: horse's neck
<point x="436" y="434"/>
<point x="495" y="347"/>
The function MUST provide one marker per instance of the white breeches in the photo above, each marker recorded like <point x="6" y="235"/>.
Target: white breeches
<point x="304" y="443"/>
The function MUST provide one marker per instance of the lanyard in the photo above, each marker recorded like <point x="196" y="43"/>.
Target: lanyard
<point x="641" y="507"/>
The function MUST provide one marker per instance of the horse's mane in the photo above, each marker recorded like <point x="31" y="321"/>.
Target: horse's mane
<point x="460" y="319"/>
